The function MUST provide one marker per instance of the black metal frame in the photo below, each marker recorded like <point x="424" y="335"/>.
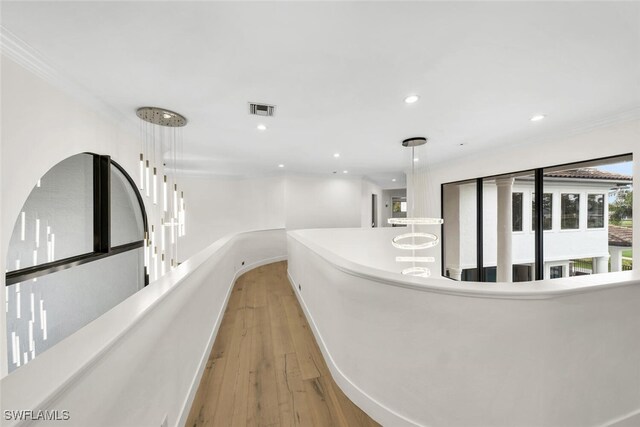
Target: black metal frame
<point x="539" y="231"/>
<point x="480" y="230"/>
<point x="101" y="227"/>
<point x="538" y="189"/>
<point x="101" y="204"/>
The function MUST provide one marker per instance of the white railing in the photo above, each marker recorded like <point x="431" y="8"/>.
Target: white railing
<point x="431" y="351"/>
<point x="409" y="351"/>
<point x="142" y="361"/>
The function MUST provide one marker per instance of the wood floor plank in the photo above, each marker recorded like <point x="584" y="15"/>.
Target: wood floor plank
<point x="318" y="405"/>
<point x="342" y="414"/>
<point x="300" y="334"/>
<point x="242" y="385"/>
<point x="282" y="343"/>
<point x="201" y="408"/>
<point x="223" y="414"/>
<point x="263" y="400"/>
<point x="289" y="370"/>
<point x="265" y="367"/>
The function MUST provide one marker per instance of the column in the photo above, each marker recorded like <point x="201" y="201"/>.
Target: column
<point x="504" y="271"/>
<point x="455" y="273"/>
<point x="601" y="264"/>
<point x="616" y="258"/>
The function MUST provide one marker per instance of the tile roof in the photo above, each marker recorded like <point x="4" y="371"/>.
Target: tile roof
<point x="620" y="236"/>
<point x="588" y="173"/>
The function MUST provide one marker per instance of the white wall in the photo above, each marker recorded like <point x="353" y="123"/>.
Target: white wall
<point x="217" y="207"/>
<point x="319" y="202"/>
<point x="41" y="126"/>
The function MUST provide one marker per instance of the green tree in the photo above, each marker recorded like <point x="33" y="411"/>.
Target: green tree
<point x="622" y="207"/>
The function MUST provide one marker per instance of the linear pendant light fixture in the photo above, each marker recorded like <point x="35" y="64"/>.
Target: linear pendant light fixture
<point x="415" y="240"/>
<point x="161" y="136"/>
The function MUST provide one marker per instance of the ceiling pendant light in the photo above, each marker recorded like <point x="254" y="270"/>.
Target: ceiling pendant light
<point x="415" y="240"/>
<point x="161" y="136"/>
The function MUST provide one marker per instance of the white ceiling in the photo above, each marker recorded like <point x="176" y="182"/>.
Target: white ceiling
<point x="338" y="73"/>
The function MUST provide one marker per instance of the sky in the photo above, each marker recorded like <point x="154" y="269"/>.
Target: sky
<point x="625" y="168"/>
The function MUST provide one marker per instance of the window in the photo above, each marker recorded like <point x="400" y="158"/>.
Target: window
<point x="570" y="211"/>
<point x="56" y="221"/>
<point x="76" y="251"/>
<point x="398" y="205"/>
<point x="595" y="211"/>
<point x="460" y="255"/>
<point x="556" y="271"/>
<point x="547" y="211"/>
<point x="475" y="239"/>
<point x="516" y="202"/>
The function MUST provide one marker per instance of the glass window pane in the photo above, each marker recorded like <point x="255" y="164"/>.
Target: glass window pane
<point x="595" y="211"/>
<point x="126" y="216"/>
<point x="459" y="231"/>
<point x="56" y="221"/>
<point x="547" y="211"/>
<point x="490" y="229"/>
<point x="516" y="210"/>
<point x="556" y="271"/>
<point x="570" y="211"/>
<point x="43" y="312"/>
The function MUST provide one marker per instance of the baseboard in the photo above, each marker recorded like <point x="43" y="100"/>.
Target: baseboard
<point x="195" y="383"/>
<point x="260" y="263"/>
<point x="376" y="410"/>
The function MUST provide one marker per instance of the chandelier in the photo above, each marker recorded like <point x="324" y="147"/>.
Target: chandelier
<point x="161" y="144"/>
<point x="416" y="239"/>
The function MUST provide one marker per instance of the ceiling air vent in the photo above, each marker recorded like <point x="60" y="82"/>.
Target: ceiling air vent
<point x="261" y="109"/>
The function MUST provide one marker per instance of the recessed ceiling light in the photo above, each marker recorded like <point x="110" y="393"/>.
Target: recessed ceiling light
<point x="280" y="165"/>
<point x="411" y="99"/>
<point x="261" y="127"/>
<point x="393" y="180"/>
<point x="537" y="117"/>
<point x="345" y="171"/>
<point x="167" y="115"/>
<point x="336" y="155"/>
<point x="416" y="159"/>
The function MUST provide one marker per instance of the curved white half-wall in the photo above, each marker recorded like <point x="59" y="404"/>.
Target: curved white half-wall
<point x="142" y="360"/>
<point x="432" y="352"/>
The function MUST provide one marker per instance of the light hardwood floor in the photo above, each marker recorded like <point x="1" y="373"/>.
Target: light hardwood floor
<point x="265" y="367"/>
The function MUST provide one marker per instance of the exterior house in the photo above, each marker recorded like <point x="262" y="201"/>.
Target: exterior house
<point x="620" y="239"/>
<point x="576" y="230"/>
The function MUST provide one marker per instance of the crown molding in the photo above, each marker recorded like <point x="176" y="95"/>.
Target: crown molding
<point x="23" y="54"/>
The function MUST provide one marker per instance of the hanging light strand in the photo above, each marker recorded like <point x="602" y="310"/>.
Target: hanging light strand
<point x="415" y="240"/>
<point x="162" y="148"/>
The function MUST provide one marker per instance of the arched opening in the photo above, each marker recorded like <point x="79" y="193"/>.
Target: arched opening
<point x="76" y="251"/>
